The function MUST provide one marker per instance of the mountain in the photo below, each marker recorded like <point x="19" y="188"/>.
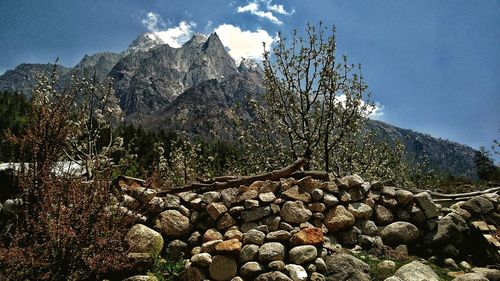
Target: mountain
<point x="102" y="63"/>
<point x="199" y="88"/>
<point x="444" y="155"/>
<point x="25" y="75"/>
<point x="210" y="108"/>
<point x="146" y="81"/>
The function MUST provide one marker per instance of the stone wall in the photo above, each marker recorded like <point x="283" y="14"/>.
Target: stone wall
<point x="287" y="229"/>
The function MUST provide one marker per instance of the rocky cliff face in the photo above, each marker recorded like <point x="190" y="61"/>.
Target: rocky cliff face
<point x="24" y="76"/>
<point x="444" y="155"/>
<point x="148" y="81"/>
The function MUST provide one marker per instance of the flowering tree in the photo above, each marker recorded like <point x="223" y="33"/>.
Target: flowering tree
<point x="313" y="102"/>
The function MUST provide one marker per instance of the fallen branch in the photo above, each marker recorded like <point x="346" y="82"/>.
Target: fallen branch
<point x="318" y="175"/>
<point x="244" y="180"/>
<point x="443" y="197"/>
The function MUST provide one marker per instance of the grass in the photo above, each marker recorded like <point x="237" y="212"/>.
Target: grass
<point x="165" y="270"/>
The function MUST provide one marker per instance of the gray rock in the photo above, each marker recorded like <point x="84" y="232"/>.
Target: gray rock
<point x="320" y="265"/>
<point x="403" y="197"/>
<point x="478" y="206"/>
<point x="279" y="236"/>
<point x="317" y="194"/>
<point x="338" y="218"/>
<point x="171" y="201"/>
<point x="451" y="229"/>
<point x="470" y="277"/>
<point x="346" y="267"/>
<point x="251" y="204"/>
<point x="424" y="201"/>
<point x="367" y="227"/>
<point x="315" y="276"/>
<point x="490" y="273"/>
<point x="172" y="223"/>
<point x="211" y="196"/>
<point x="295" y="212"/>
<point x="143" y="239"/>
<point x="330" y="199"/>
<point x="383" y="215"/>
<point x="177" y="248"/>
<point x="399" y="232"/>
<point x="267" y="197"/>
<point x="249" y="252"/>
<point x="352" y="180"/>
<point x="201" y="260"/>
<point x="295" y="193"/>
<point x="255" y="214"/>
<point x="273" y="276"/>
<point x="276" y="265"/>
<point x="360" y="210"/>
<point x="254" y="236"/>
<point x="416" y="271"/>
<point x="251" y="269"/>
<point x="272" y="251"/>
<point x="303" y="254"/>
<point x="296" y="272"/>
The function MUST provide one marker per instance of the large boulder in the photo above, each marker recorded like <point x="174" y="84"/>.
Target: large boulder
<point x="303" y="254"/>
<point x="451" y="229"/>
<point x="338" y="218"/>
<point x="272" y="251"/>
<point x="142" y="239"/>
<point x="424" y="201"/>
<point x="398" y="233"/>
<point x="360" y="210"/>
<point x="352" y="181"/>
<point x="416" y="271"/>
<point x="346" y="267"/>
<point x="295" y="212"/>
<point x="478" y="206"/>
<point x="172" y="223"/>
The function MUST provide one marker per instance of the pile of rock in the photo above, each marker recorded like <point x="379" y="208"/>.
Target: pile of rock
<point x="288" y="229"/>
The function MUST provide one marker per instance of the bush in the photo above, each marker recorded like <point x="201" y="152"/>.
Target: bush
<point x="62" y="229"/>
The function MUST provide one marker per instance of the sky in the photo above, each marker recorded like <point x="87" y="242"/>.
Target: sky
<point x="432" y="66"/>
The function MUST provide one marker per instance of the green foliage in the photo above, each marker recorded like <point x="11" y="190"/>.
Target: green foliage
<point x="14" y="108"/>
<point x="486" y="169"/>
<point x="164" y="270"/>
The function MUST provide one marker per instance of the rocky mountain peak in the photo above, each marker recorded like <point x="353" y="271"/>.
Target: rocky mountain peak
<point x="213" y="42"/>
<point x="246" y="64"/>
<point x="198" y="39"/>
<point x="144" y="42"/>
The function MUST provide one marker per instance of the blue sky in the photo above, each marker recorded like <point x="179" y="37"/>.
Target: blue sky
<point x="433" y="66"/>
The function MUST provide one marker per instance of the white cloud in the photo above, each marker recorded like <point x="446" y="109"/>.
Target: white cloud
<point x="176" y="36"/>
<point x="280" y="9"/>
<point x="153" y="22"/>
<point x="253" y="8"/>
<point x="244" y="43"/>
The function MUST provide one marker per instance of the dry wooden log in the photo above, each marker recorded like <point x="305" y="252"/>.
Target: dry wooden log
<point x="318" y="175"/>
<point x="217" y="179"/>
<point x="457" y="195"/>
<point x="244" y="180"/>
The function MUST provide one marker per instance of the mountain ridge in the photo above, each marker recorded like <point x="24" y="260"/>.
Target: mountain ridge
<point x="200" y="88"/>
